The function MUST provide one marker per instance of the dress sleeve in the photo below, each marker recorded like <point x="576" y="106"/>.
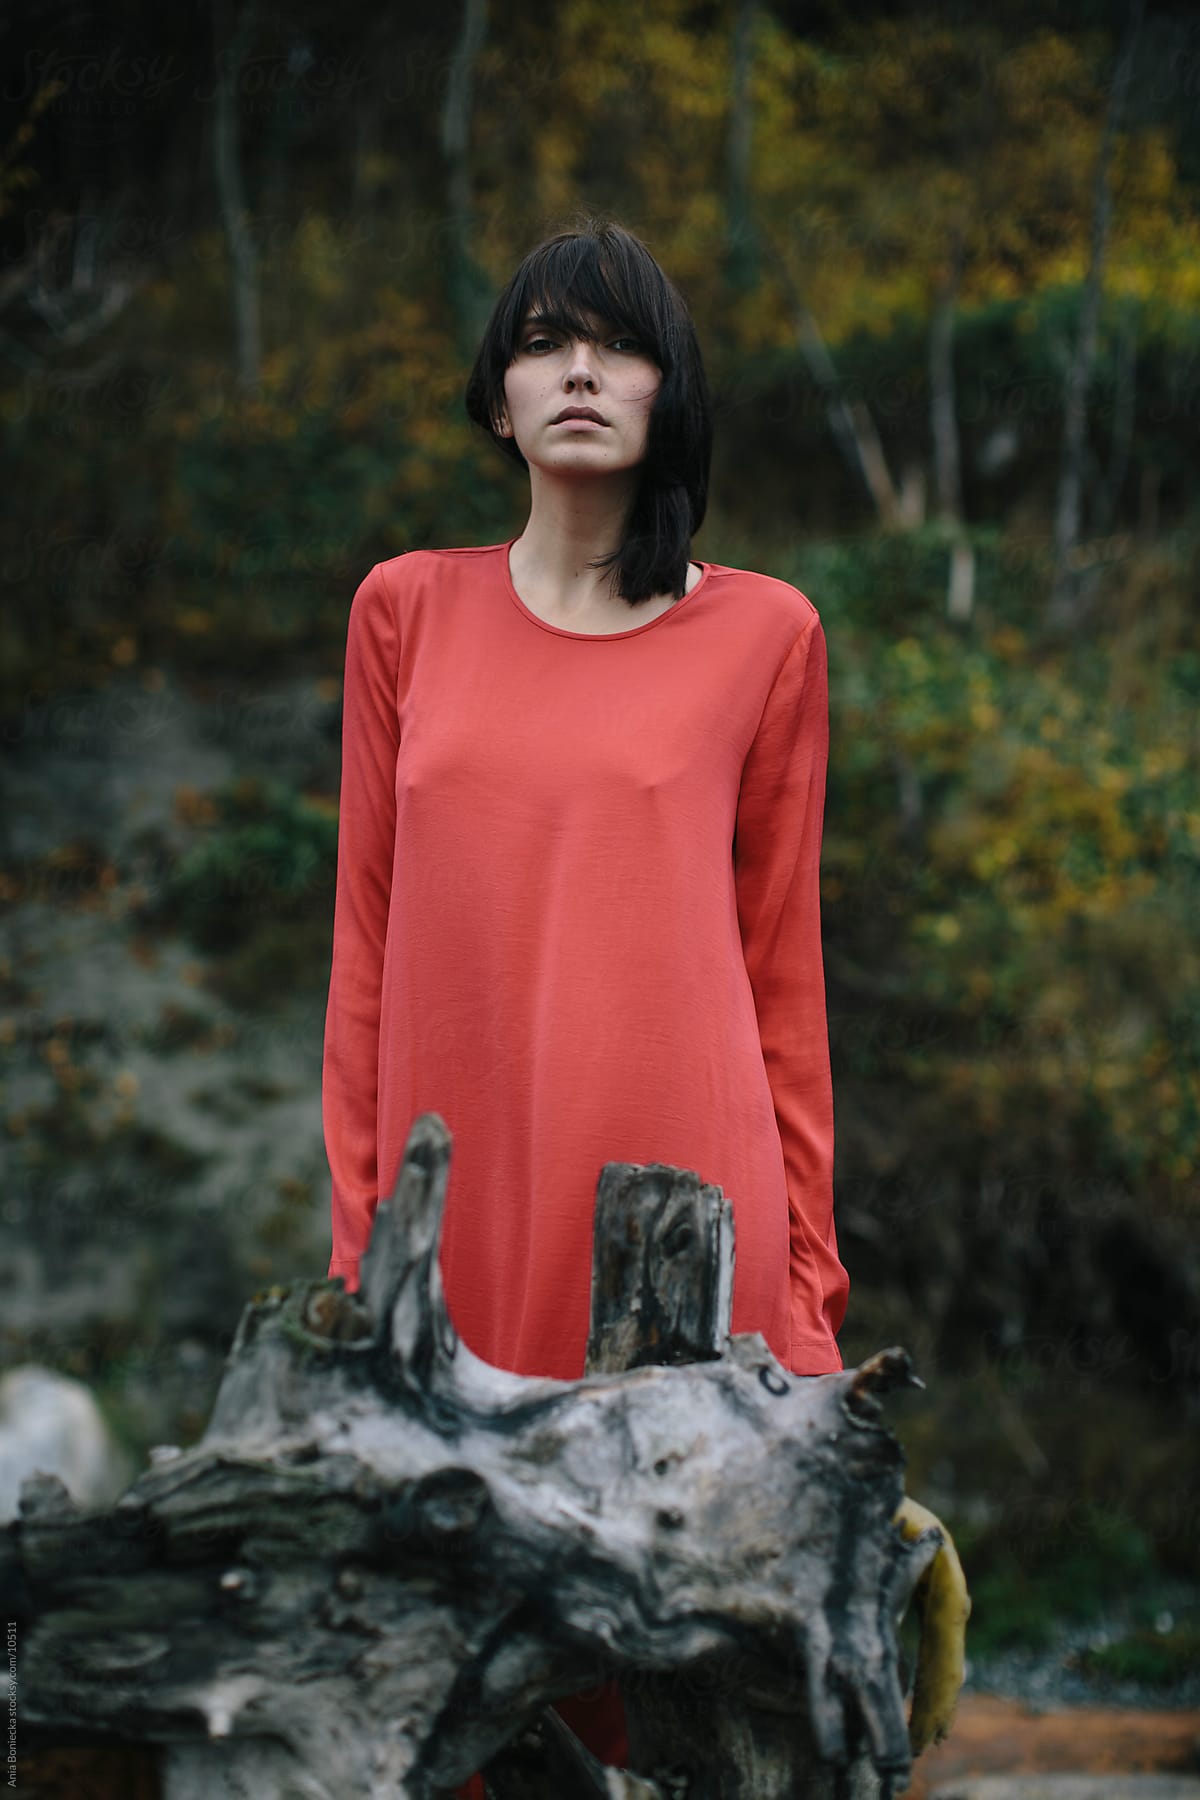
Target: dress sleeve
<point x="366" y="843"/>
<point x="777" y="856"/>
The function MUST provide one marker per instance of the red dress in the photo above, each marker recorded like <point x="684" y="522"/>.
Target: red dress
<point x="578" y="916"/>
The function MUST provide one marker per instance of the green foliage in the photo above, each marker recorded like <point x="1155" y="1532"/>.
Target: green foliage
<point x="283" y="956"/>
<point x="1012" y="868"/>
<point x="1156" y="1657"/>
<point x="349" y="450"/>
<point x="269" y="858"/>
<point x="1023" y="1584"/>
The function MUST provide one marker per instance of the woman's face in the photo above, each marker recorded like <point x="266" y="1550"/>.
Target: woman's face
<point x="614" y="377"/>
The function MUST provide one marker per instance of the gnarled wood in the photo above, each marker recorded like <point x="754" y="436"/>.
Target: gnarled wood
<point x="730" y="1727"/>
<point x="384" y="1557"/>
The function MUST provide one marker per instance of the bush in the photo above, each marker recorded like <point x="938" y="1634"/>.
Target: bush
<point x="270" y="858"/>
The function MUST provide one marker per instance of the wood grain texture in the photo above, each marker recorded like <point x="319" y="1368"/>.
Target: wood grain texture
<point x="384" y="1557"/>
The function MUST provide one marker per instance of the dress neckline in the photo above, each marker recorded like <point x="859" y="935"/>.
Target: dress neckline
<point x="603" y="637"/>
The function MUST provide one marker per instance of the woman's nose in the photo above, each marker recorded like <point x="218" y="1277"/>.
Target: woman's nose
<point x="580" y="366"/>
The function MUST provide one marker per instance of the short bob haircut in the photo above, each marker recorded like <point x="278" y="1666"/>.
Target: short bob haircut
<point x="604" y="270"/>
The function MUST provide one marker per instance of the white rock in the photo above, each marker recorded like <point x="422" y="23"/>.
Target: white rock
<point x="50" y="1423"/>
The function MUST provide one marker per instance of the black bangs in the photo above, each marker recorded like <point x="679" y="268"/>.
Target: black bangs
<point x="569" y="283"/>
<point x="579" y="283"/>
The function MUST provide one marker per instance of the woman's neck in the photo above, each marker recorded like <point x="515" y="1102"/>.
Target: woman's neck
<point x="567" y="530"/>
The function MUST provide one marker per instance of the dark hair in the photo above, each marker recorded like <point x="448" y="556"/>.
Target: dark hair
<point x="605" y="270"/>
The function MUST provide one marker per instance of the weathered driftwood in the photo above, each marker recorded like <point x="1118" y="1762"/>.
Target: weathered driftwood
<point x="730" y="1727"/>
<point x="384" y="1557"/>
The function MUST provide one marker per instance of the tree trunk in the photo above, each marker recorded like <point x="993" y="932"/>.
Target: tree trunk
<point x="231" y="47"/>
<point x="947" y="456"/>
<point x="851" y="423"/>
<point x="1108" y="490"/>
<point x="943" y="407"/>
<point x="467" y="285"/>
<point x="741" y="239"/>
<point x="1066" y="608"/>
<point x="712" y="1731"/>
<point x="384" y="1557"/>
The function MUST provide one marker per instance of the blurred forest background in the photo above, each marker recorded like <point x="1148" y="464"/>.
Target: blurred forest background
<point x="945" y="266"/>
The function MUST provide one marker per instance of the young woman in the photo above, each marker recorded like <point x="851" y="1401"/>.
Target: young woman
<point x="577" y="908"/>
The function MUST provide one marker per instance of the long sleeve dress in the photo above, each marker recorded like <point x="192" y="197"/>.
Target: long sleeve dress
<point x="577" y="915"/>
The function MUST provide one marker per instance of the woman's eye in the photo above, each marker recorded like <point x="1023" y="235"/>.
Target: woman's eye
<point x="535" y="343"/>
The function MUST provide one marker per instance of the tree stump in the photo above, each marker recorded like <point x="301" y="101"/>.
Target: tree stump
<point x="384" y="1557"/>
<point x="728" y="1729"/>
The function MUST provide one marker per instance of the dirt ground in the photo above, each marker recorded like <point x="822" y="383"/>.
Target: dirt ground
<point x="993" y="1736"/>
<point x="990" y="1736"/>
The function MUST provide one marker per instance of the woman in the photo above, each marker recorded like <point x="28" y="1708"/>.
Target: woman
<point x="577" y="909"/>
